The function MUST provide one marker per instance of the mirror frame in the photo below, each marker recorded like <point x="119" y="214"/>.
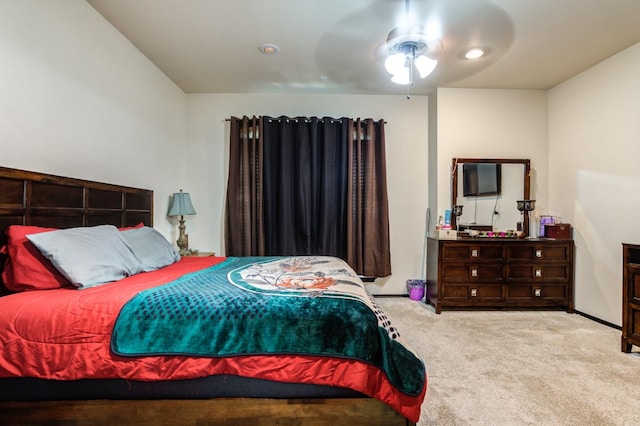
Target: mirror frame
<point x="526" y="180"/>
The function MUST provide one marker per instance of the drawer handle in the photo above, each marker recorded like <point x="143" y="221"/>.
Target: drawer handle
<point x="537" y="292"/>
<point x="538" y="273"/>
<point x="538" y="253"/>
<point x="474" y="253"/>
<point x="474" y="292"/>
<point x="474" y="272"/>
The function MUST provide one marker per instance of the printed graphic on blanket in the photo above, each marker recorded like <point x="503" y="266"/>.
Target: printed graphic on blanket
<point x="310" y="275"/>
<point x="267" y="305"/>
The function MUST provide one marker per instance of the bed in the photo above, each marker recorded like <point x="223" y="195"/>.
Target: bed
<point x="106" y="363"/>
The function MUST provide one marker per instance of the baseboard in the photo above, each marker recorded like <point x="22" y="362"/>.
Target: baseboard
<point x="598" y="320"/>
<point x="591" y="317"/>
<point x="391" y="295"/>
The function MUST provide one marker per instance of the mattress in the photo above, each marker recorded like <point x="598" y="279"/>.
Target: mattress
<point x="60" y="343"/>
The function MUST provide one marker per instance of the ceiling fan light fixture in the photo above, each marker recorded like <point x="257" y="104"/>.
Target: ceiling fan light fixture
<point x="396" y="63"/>
<point x="413" y="34"/>
<point x="406" y="46"/>
<point x="424" y="65"/>
<point x="402" y="77"/>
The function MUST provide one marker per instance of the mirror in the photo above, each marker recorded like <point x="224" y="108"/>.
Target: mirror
<point x="488" y="191"/>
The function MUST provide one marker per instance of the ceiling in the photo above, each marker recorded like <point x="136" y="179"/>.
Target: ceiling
<point x="334" y="46"/>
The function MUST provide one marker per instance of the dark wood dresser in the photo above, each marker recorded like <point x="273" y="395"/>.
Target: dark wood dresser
<point x="499" y="273"/>
<point x="630" y="296"/>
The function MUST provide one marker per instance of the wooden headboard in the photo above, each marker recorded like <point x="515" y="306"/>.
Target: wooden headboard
<point x="29" y="198"/>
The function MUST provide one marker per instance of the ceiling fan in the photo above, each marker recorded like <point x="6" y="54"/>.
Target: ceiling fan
<point x="410" y="48"/>
<point x="362" y="41"/>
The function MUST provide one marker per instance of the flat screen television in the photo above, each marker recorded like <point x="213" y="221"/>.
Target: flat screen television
<point x="480" y="179"/>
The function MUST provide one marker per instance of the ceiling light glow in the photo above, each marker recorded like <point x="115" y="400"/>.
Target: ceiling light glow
<point x="474" y="53"/>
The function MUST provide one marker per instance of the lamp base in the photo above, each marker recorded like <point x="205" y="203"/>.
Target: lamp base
<point x="183" y="239"/>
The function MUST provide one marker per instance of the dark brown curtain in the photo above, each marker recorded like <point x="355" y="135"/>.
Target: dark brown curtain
<point x="309" y="186"/>
<point x="244" y="225"/>
<point x="368" y="249"/>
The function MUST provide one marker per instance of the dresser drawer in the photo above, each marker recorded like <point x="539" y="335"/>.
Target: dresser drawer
<point x="630" y="296"/>
<point x="466" y="292"/>
<point x="634" y="326"/>
<point x="537" y="272"/>
<point x="540" y="292"/>
<point x="539" y="253"/>
<point x="476" y="272"/>
<point x="472" y="252"/>
<point x="633" y="286"/>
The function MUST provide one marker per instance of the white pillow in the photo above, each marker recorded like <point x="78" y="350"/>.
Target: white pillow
<point x="88" y="256"/>
<point x="150" y="247"/>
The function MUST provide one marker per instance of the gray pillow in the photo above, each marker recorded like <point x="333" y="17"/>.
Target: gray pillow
<point x="150" y="247"/>
<point x="88" y="256"/>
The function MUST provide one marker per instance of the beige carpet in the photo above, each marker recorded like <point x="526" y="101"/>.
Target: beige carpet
<point x="519" y="368"/>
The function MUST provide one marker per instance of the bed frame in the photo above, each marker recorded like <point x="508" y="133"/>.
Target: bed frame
<point x="30" y="198"/>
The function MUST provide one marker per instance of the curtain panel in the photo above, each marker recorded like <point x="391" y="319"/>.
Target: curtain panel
<point x="368" y="248"/>
<point x="309" y="186"/>
<point x="244" y="211"/>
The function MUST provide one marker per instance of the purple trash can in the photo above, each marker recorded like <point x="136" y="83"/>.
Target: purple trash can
<point x="415" y="288"/>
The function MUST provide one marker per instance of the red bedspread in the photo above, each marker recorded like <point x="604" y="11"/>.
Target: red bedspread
<point x="64" y="334"/>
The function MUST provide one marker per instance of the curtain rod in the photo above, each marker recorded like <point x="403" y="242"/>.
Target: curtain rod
<point x="307" y="119"/>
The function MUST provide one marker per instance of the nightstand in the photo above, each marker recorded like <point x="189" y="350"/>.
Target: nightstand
<point x="202" y="254"/>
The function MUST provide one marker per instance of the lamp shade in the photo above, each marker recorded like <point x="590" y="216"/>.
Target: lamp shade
<point x="181" y="204"/>
<point x="425" y="65"/>
<point x="400" y="66"/>
<point x="395" y="63"/>
<point x="402" y="77"/>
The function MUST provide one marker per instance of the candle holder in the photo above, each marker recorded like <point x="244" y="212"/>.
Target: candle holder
<point x="526" y="206"/>
<point x="457" y="212"/>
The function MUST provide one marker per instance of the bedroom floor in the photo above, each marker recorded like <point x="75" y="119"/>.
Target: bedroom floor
<point x="519" y="368"/>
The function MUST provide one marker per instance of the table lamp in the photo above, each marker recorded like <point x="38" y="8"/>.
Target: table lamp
<point x="181" y="206"/>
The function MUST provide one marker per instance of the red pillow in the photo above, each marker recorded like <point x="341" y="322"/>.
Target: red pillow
<point x="140" y="225"/>
<point x="26" y="268"/>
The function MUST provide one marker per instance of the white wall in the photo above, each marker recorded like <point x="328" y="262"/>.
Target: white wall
<point x="77" y="99"/>
<point x="406" y="135"/>
<point x="594" y="139"/>
<point x="582" y="139"/>
<point x="489" y="123"/>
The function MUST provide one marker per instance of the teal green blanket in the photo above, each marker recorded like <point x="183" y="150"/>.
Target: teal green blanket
<point x="258" y="306"/>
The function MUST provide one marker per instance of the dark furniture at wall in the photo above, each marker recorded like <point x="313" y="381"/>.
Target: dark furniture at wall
<point x="29" y="198"/>
<point x="500" y="273"/>
<point x="630" y="296"/>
